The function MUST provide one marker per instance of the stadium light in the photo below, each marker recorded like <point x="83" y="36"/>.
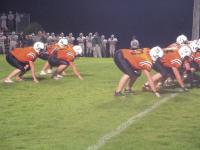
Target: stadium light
<point x="196" y="19"/>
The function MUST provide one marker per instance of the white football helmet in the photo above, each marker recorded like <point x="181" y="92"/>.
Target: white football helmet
<point x="156" y="52"/>
<point x="63" y="42"/>
<point x="181" y="39"/>
<point x="38" y="46"/>
<point x="194" y="47"/>
<point x="78" y="49"/>
<point x="198" y="43"/>
<point x="184" y="51"/>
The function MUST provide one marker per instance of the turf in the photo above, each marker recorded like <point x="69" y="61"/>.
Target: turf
<point x="70" y="114"/>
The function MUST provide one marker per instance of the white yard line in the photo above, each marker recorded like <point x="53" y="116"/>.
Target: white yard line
<point x="104" y="139"/>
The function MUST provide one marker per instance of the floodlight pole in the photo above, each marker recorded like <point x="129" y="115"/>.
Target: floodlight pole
<point x="196" y="19"/>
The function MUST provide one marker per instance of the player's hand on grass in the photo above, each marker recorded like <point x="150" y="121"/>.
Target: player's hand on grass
<point x="185" y="89"/>
<point x="157" y="94"/>
<point x="35" y="80"/>
<point x="80" y="77"/>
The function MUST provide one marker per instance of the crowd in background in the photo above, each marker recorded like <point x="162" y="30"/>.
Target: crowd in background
<point x="9" y="21"/>
<point x="93" y="45"/>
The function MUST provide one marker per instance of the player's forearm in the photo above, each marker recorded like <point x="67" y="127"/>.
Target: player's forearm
<point x="150" y="81"/>
<point x="76" y="72"/>
<point x="178" y="76"/>
<point x="32" y="66"/>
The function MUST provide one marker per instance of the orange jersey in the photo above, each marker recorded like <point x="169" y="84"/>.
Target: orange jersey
<point x="25" y="54"/>
<point x="171" y="59"/>
<point x="52" y="48"/>
<point x="140" y="50"/>
<point x="55" y="47"/>
<point x="66" y="54"/>
<point x="69" y="47"/>
<point x="196" y="57"/>
<point x="174" y="45"/>
<point x="139" y="61"/>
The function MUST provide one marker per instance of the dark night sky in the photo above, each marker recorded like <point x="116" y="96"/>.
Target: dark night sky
<point x="154" y="22"/>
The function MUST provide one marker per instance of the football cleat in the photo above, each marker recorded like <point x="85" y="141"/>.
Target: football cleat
<point x="49" y="71"/>
<point x="128" y="91"/>
<point x="118" y="94"/>
<point x="8" y="81"/>
<point x="43" y="73"/>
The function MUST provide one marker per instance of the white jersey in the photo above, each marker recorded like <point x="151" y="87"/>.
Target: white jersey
<point x="55" y="39"/>
<point x="3" y="21"/>
<point x="13" y="37"/>
<point x="37" y="38"/>
<point x="104" y="42"/>
<point x="81" y="39"/>
<point x="71" y="39"/>
<point x="3" y="18"/>
<point x="2" y="39"/>
<point x="112" y="42"/>
<point x="89" y="41"/>
<point x="13" y="41"/>
<point x="49" y="39"/>
<point x="61" y="37"/>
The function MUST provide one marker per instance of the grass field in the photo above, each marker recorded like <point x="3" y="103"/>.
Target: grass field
<point x="70" y="114"/>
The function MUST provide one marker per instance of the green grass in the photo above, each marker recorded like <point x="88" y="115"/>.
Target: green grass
<point x="70" y="114"/>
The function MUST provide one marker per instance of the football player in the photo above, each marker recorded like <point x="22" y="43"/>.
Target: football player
<point x="169" y="66"/>
<point x="50" y="49"/>
<point x="131" y="64"/>
<point x="23" y="60"/>
<point x="63" y="58"/>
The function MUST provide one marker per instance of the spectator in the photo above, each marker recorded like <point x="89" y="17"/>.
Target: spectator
<point x="44" y="37"/>
<point x="21" y="39"/>
<point x="2" y="42"/>
<point x="11" y="18"/>
<point x="28" y="41"/>
<point x="18" y="18"/>
<point x="52" y="38"/>
<point x="112" y="44"/>
<point x="3" y="22"/>
<point x="134" y="43"/>
<point x="104" y="46"/>
<point x="13" y="38"/>
<point x="89" y="48"/>
<point x="96" y="42"/>
<point x="38" y="37"/>
<point x="81" y="42"/>
<point x="70" y="38"/>
<point x="61" y="35"/>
